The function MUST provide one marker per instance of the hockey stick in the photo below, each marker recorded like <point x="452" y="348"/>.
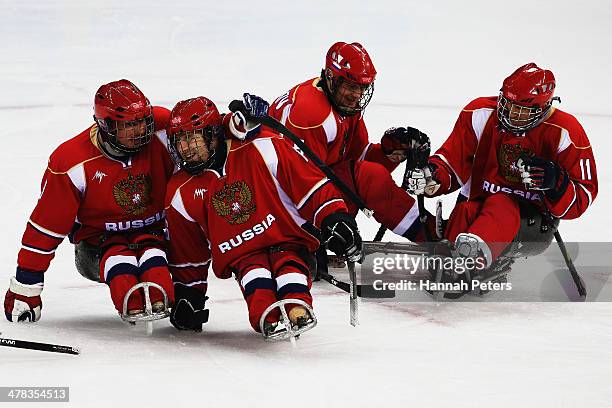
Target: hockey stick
<point x="272" y="123"/>
<point x="354" y="302"/>
<point x="32" y="345"/>
<point x="421" y="160"/>
<point x="570" y="265"/>
<point x="422" y="163"/>
<point x="364" y="291"/>
<point x="568" y="259"/>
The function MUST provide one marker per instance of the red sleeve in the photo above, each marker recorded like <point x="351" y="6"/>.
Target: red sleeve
<point x="188" y="251"/>
<point x="362" y="149"/>
<point x="161" y="116"/>
<point x="313" y="194"/>
<point x="52" y="219"/>
<point x="576" y="157"/>
<point x="453" y="161"/>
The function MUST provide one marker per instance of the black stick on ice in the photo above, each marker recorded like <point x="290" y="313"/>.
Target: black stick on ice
<point x="32" y="345"/>
<point x="364" y="291"/>
<point x="570" y="265"/>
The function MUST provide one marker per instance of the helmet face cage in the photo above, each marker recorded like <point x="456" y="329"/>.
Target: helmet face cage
<point x="518" y="118"/>
<point x="127" y="136"/>
<point x="192" y="150"/>
<point x="339" y="89"/>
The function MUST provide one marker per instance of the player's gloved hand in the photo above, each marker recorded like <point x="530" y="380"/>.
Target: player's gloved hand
<point x="420" y="181"/>
<point x="340" y="234"/>
<point x="188" y="312"/>
<point x="541" y="174"/>
<point x="22" y="302"/>
<point x="256" y="106"/>
<point x="401" y="143"/>
<point x="245" y="122"/>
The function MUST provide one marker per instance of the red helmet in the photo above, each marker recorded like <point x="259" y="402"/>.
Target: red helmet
<point x="194" y="130"/>
<point x="525" y="98"/>
<point x="351" y="64"/>
<point x="124" y="117"/>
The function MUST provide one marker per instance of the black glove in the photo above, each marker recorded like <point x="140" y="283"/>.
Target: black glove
<point x="341" y="236"/>
<point x="188" y="312"/>
<point x="247" y="116"/>
<point x="412" y="140"/>
<point x="256" y="107"/>
<point x="541" y="174"/>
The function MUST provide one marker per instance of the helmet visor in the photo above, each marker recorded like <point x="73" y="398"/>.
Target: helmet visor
<point x="128" y="136"/>
<point x="349" y="97"/>
<point x="519" y="118"/>
<point x="194" y="150"/>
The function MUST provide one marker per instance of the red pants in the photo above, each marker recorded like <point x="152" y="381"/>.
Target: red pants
<point x="268" y="276"/>
<point x="393" y="207"/>
<point x="496" y="221"/>
<point x="122" y="268"/>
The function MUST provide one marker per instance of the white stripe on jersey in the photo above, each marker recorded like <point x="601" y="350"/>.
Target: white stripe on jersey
<point x="268" y="154"/>
<point x="365" y="151"/>
<point x="564" y="141"/>
<point x="36" y="250"/>
<point x="450" y="167"/>
<point x="192" y="283"/>
<point x="311" y="192"/>
<point x="286" y="112"/>
<point x="331" y="127"/>
<point x="77" y="176"/>
<point x="177" y="203"/>
<point x="163" y="137"/>
<point x="466" y="188"/>
<point x="588" y="193"/>
<point x="408" y="220"/>
<point x="46" y="231"/>
<point x="190" y="264"/>
<point x="325" y="204"/>
<point x="572" y="203"/>
<point x="479" y="120"/>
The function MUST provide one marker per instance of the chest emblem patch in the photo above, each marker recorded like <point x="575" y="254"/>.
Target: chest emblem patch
<point x="234" y="202"/>
<point x="133" y="193"/>
<point x="507" y="156"/>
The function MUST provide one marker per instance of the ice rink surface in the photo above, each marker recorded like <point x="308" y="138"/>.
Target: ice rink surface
<point x="432" y="59"/>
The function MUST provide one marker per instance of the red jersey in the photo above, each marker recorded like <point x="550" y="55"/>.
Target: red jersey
<point x="306" y="111"/>
<point x="87" y="194"/>
<point x="264" y="193"/>
<point x="480" y="158"/>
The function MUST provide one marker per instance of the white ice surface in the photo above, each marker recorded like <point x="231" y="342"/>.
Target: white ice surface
<point x="432" y="59"/>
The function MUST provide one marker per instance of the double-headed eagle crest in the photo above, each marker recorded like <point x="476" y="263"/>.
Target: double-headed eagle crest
<point x="133" y="193"/>
<point x="234" y="202"/>
<point x="507" y="156"/>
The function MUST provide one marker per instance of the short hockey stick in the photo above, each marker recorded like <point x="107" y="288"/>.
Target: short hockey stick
<point x="568" y="259"/>
<point x="421" y="159"/>
<point x="570" y="265"/>
<point x="32" y="345"/>
<point x="364" y="291"/>
<point x="354" y="302"/>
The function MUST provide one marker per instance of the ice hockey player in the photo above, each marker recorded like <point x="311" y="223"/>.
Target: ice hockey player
<point x="326" y="112"/>
<point x="104" y="189"/>
<point x="244" y="201"/>
<point x="506" y="151"/>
